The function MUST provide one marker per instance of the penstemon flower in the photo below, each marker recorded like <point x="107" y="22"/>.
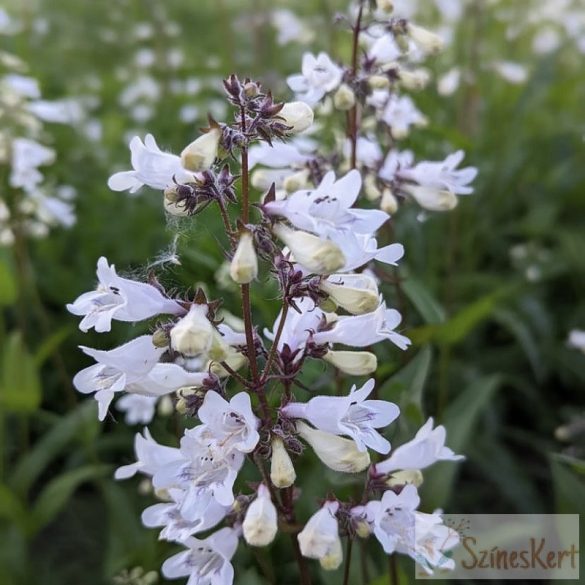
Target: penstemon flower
<point x="309" y="220"/>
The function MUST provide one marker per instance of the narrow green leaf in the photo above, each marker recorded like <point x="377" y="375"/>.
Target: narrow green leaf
<point x="8" y="288"/>
<point x="20" y="387"/>
<point x="426" y="304"/>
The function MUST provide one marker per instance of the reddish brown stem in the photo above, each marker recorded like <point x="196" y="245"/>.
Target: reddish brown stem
<point x="353" y="113"/>
<point x="275" y="343"/>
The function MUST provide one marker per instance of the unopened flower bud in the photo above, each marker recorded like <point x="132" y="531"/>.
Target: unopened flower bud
<point x="193" y="334"/>
<point x="165" y="406"/>
<point x="431" y="198"/>
<point x="319" y="256"/>
<point x="336" y="452"/>
<point x="385" y="6"/>
<point x="426" y="40"/>
<point x="371" y="189"/>
<point x="361" y="527"/>
<point x="388" y="203"/>
<point x="244" y="265"/>
<point x="160" y="338"/>
<point x="356" y="293"/>
<point x="260" y="524"/>
<point x="171" y="206"/>
<point x="414" y="80"/>
<point x="334" y="557"/>
<point x="296" y="181"/>
<point x="201" y="153"/>
<point x="282" y="472"/>
<point x="353" y="363"/>
<point x="251" y="89"/>
<point x="298" y="115"/>
<point x="320" y="540"/>
<point x="379" y="82"/>
<point x="406" y="476"/>
<point x="344" y="98"/>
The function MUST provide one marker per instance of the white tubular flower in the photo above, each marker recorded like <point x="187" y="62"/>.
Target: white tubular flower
<point x="383" y="50"/>
<point x="150" y="457"/>
<point x="201" y="153"/>
<point x="318" y="255"/>
<point x="443" y="175"/>
<point x="280" y="155"/>
<point x="320" y="540"/>
<point x="577" y="340"/>
<point x="368" y="154"/>
<point x="353" y="363"/>
<point x="433" y="539"/>
<point x="244" y="264"/>
<point x="298" y="326"/>
<point x="359" y="249"/>
<point x="205" y="562"/>
<point x="400" y="114"/>
<point x="232" y="423"/>
<point x="138" y="409"/>
<point x="152" y="167"/>
<point x="350" y="415"/>
<point x="205" y="468"/>
<point x="193" y="334"/>
<point x="336" y="452"/>
<point x="344" y="98"/>
<point x="121" y="299"/>
<point x="116" y="369"/>
<point x="261" y="521"/>
<point x="427" y="447"/>
<point x="431" y="198"/>
<point x="364" y="330"/>
<point x="282" y="471"/>
<point x="175" y="527"/>
<point x="298" y="115"/>
<point x="319" y="76"/>
<point x="327" y="210"/>
<point x="356" y="293"/>
<point x="27" y="156"/>
<point x="394" y="162"/>
<point x="426" y="40"/>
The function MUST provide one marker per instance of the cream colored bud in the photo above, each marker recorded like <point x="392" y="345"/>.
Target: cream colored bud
<point x="244" y="265"/>
<point x="234" y="359"/>
<point x="282" y="472"/>
<point x="427" y="41"/>
<point x="385" y="6"/>
<point x="165" y="406"/>
<point x="334" y="557"/>
<point x="353" y="363"/>
<point x="193" y="334"/>
<point x="337" y="453"/>
<point x="362" y="527"/>
<point x="201" y="153"/>
<point x="406" y="476"/>
<point x="170" y="203"/>
<point x="298" y="115"/>
<point x="431" y="198"/>
<point x="296" y="181"/>
<point x="388" y="203"/>
<point x="414" y="80"/>
<point x="261" y="521"/>
<point x="371" y="188"/>
<point x="344" y="98"/>
<point x="356" y="293"/>
<point x="160" y="338"/>
<point x="379" y="82"/>
<point x="319" y="256"/>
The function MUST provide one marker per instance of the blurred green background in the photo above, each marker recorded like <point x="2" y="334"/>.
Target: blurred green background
<point x="490" y="290"/>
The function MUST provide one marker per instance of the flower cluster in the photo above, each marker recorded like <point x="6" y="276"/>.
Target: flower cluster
<point x="307" y="233"/>
<point x="26" y="207"/>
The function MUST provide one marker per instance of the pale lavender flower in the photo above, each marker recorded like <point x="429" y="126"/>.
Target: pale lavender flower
<point x="319" y="76"/>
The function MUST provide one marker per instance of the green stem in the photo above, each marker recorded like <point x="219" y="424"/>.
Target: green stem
<point x="347" y="561"/>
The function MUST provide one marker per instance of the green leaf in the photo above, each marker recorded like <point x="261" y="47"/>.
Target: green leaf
<point x="82" y="420"/>
<point x="460" y="419"/>
<point x="569" y="487"/>
<point x="58" y="491"/>
<point x="20" y="387"/>
<point x="426" y="304"/>
<point x="11" y="507"/>
<point x="50" y="344"/>
<point x="8" y="288"/>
